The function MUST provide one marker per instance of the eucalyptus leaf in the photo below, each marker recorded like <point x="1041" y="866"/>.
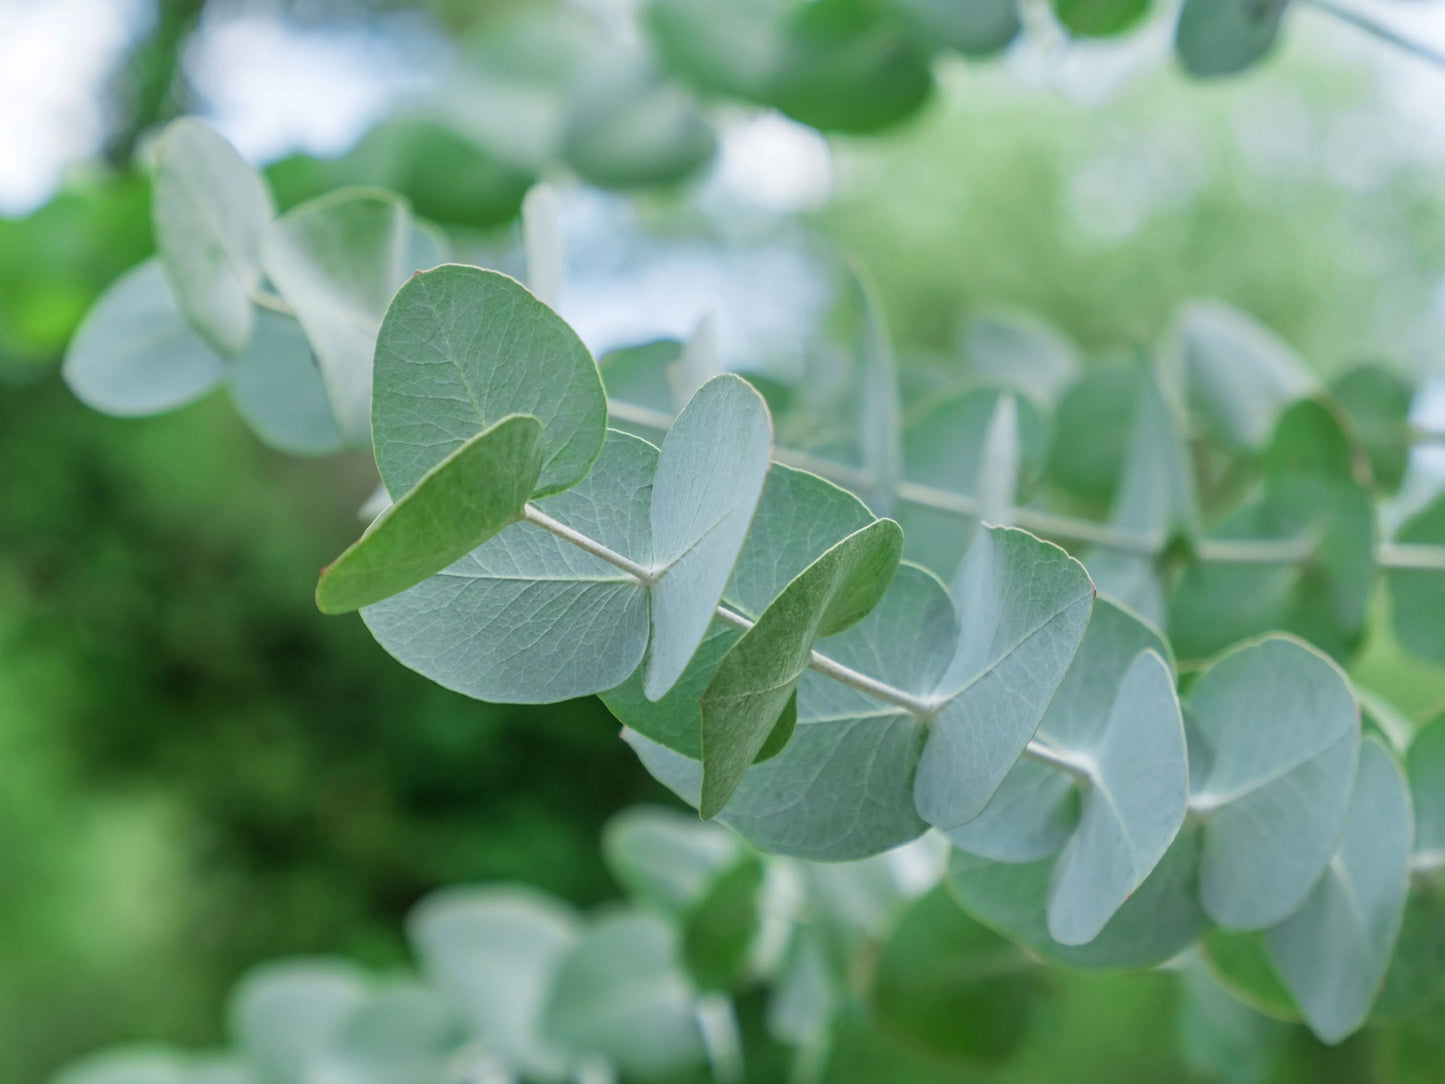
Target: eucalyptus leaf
<point x="734" y="49"/>
<point x="1416" y="975"/>
<point x="337" y="261"/>
<point x="1157" y="922"/>
<point x="1020" y="349"/>
<point x="950" y="987"/>
<point x="152" y="1065"/>
<point x="1222" y="1038"/>
<point x="279" y="392"/>
<point x="1333" y="952"/>
<point x="621" y="994"/>
<point x="843" y="787"/>
<point x="494" y="951"/>
<point x="1099" y="18"/>
<point x="1093" y="426"/>
<point x="1377" y="399"/>
<point x="1425" y="769"/>
<point x="881" y="422"/>
<point x="976" y="29"/>
<point x="798" y="519"/>
<point x="1222" y="37"/>
<point x="710" y="476"/>
<point x="1418" y="597"/>
<point x="1022" y="606"/>
<point x="1312" y="495"/>
<point x="760" y="674"/>
<point x="696" y="363"/>
<point x="488" y="626"/>
<point x="405" y="1034"/>
<point x="210" y="211"/>
<point x="1240" y="962"/>
<point x="720" y="930"/>
<point x="1282" y="732"/>
<point x="666" y="859"/>
<point x="133" y="354"/>
<point x="1236" y="373"/>
<point x="464" y="500"/>
<point x="998" y="476"/>
<point x="286" y="1014"/>
<point x="460" y="349"/>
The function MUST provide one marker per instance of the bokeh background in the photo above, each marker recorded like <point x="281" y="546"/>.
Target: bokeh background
<point x="198" y="771"/>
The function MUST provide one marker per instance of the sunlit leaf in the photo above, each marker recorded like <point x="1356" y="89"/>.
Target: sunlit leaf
<point x="134" y="354"/>
<point x="210" y="210"/>
<point x="464" y="500"/>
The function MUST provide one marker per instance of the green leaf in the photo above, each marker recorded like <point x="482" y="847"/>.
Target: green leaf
<point x="405" y="1034"/>
<point x="846" y="70"/>
<point x="1036" y="809"/>
<point x="945" y="447"/>
<point x="1240" y="963"/>
<point x="337" y="261"/>
<point x="696" y="363"/>
<point x="134" y="355"/>
<point x="1099" y="18"/>
<point x="732" y="49"/>
<point x="1022" y="350"/>
<point x="799" y="518"/>
<point x="665" y="859"/>
<point x="719" y="930"/>
<point x="1311" y="493"/>
<point x="760" y="675"/>
<point x="1116" y="716"/>
<point x="1236" y="373"/>
<point x="1156" y="923"/>
<point x="1156" y="499"/>
<point x="710" y="476"/>
<point x="1132" y="809"/>
<point x="285" y="1014"/>
<point x="628" y="127"/>
<point x="621" y="994"/>
<point x="843" y="787"/>
<point x="1425" y="769"/>
<point x="1022" y="606"/>
<point x="805" y="996"/>
<point x="1416" y="975"/>
<point x="950" y="987"/>
<point x="488" y="626"/>
<point x="1333" y="952"/>
<point x="464" y="500"/>
<point x="976" y="29"/>
<point x="1280" y="732"/>
<point x="1093" y="427"/>
<point x="1417" y="597"/>
<point x="210" y="210"/>
<point x="460" y="349"/>
<point x="278" y="390"/>
<point x="1222" y="37"/>
<point x="1222" y="1038"/>
<point x="637" y="375"/>
<point x="494" y="951"/>
<point x="998" y="474"/>
<point x="1377" y="400"/>
<point x="882" y="420"/>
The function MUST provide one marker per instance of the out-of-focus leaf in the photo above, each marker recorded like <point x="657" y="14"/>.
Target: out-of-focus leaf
<point x="1022" y="350"/>
<point x="1093" y="427"/>
<point x="663" y="858"/>
<point x="1222" y="1038"/>
<point x="1417" y="598"/>
<point x="286" y="1014"/>
<point x="1221" y="37"/>
<point x="134" y="354"/>
<point x="620" y="994"/>
<point x="542" y="240"/>
<point x="1377" y="400"/>
<point x="734" y="49"/>
<point x="406" y="1034"/>
<point x="881" y="421"/>
<point x="210" y="210"/>
<point x="1241" y="964"/>
<point x="1099" y="18"/>
<point x="1311" y="494"/>
<point x="278" y="389"/>
<point x="976" y="29"/>
<point x="719" y="929"/>
<point x="952" y="988"/>
<point x="494" y="951"/>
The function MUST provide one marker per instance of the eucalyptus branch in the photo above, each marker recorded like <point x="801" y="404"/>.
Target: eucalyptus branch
<point x="1375" y="29"/>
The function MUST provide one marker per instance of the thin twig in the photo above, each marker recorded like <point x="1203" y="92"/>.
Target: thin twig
<point x="268" y="300"/>
<point x="1361" y="21"/>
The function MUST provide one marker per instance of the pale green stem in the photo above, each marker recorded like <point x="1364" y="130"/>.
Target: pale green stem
<point x="268" y="300"/>
<point x="1379" y="30"/>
